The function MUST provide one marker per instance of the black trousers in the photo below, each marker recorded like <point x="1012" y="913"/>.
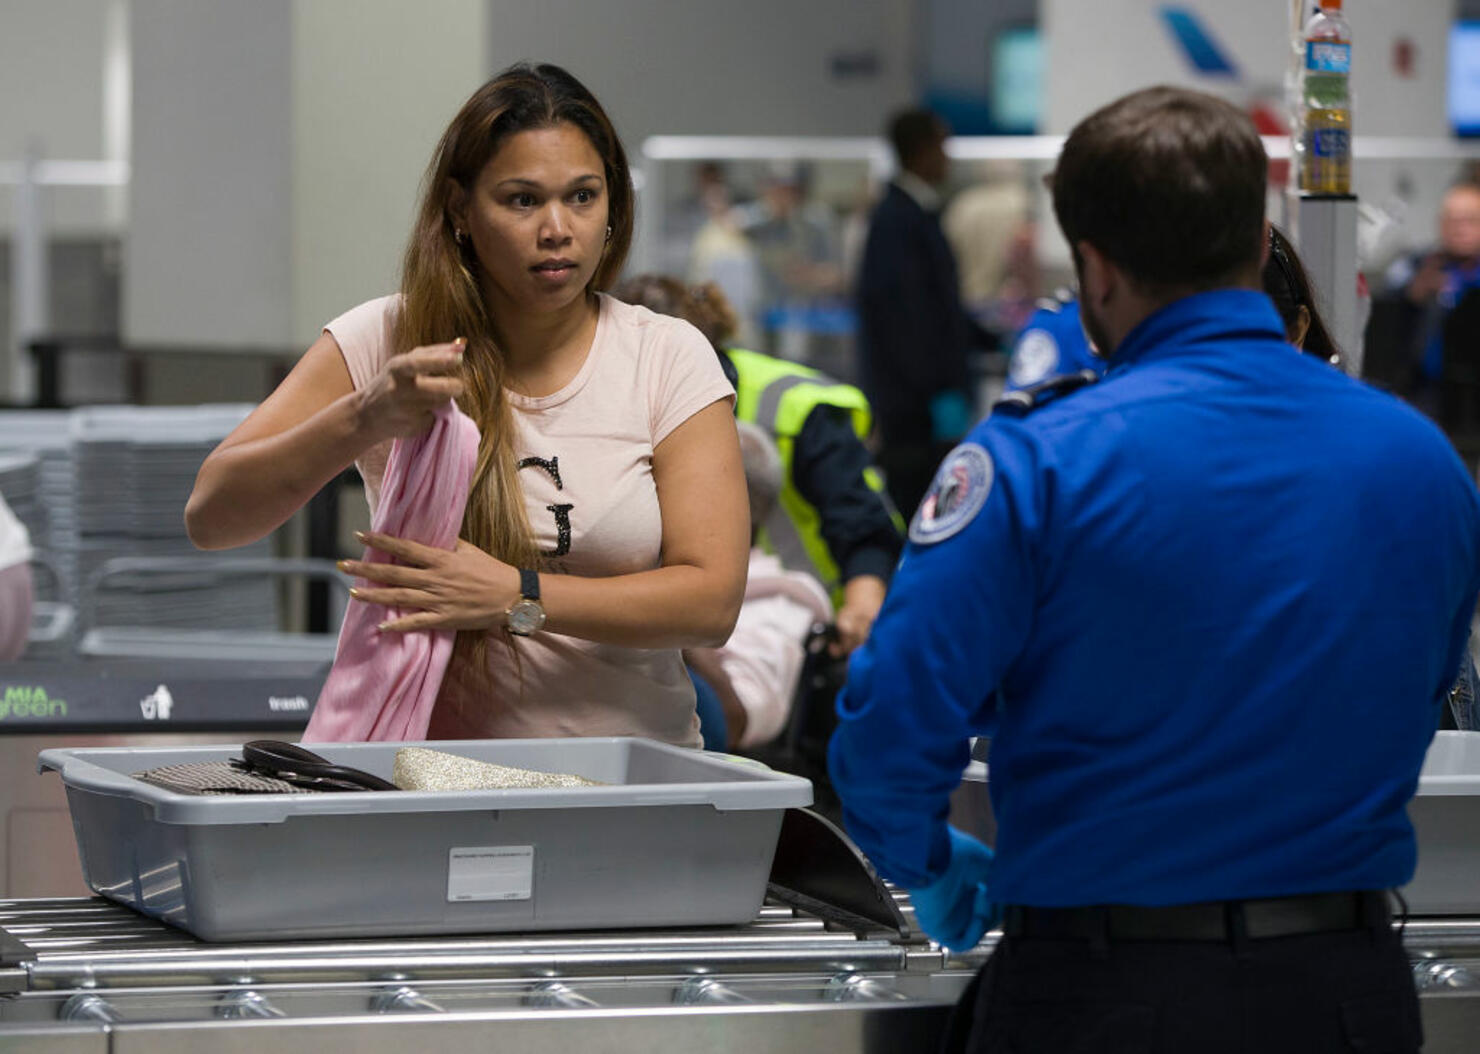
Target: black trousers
<point x="1350" y="990"/>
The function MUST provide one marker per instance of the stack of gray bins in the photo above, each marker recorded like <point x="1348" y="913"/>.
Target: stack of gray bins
<point x="39" y="485"/>
<point x="52" y="614"/>
<point x="20" y="486"/>
<point x="135" y="467"/>
<point x="47" y="434"/>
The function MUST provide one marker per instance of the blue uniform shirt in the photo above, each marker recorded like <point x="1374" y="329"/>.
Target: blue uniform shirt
<point x="1458" y="281"/>
<point x="1052" y="344"/>
<point x="1207" y="609"/>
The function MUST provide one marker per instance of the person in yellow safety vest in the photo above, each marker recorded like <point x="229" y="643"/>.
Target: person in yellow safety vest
<point x="834" y="518"/>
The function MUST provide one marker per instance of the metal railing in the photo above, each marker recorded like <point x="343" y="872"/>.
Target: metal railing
<point x="875" y="153"/>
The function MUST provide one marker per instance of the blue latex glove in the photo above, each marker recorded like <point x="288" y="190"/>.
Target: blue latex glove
<point x="950" y="416"/>
<point x="955" y="909"/>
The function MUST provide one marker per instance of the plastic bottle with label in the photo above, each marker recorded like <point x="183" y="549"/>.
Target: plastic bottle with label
<point x="1326" y="162"/>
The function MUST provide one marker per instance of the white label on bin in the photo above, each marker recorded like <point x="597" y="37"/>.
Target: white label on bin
<point x="490" y="872"/>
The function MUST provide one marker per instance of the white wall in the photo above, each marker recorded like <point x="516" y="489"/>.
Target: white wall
<point x="957" y="45"/>
<point x="51" y="81"/>
<point x="1099" y="51"/>
<point x="689" y="67"/>
<point x="278" y="148"/>
<point x="208" y="250"/>
<point x="375" y="83"/>
<point x="51" y="76"/>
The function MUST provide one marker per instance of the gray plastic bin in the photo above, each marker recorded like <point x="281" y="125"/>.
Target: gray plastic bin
<point x="1446" y="817"/>
<point x="677" y="837"/>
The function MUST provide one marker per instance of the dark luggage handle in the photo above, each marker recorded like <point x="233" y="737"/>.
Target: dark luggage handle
<point x="303" y="768"/>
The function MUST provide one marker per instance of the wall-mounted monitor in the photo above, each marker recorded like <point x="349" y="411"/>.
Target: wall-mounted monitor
<point x="1464" y="78"/>
<point x="1017" y="79"/>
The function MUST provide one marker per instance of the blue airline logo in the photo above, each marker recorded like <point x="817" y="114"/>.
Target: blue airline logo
<point x="1197" y="43"/>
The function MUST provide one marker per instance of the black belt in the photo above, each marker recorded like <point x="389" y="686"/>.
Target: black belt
<point x="1217" y="921"/>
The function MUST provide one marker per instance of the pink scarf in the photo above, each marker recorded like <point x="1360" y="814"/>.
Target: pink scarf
<point x="383" y="685"/>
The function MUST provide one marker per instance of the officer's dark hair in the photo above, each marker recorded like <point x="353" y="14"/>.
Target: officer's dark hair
<point x="1285" y="281"/>
<point x="911" y="131"/>
<point x="1168" y="184"/>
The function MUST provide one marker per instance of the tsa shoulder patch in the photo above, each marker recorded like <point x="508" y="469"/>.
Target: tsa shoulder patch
<point x="1036" y="357"/>
<point x="957" y="494"/>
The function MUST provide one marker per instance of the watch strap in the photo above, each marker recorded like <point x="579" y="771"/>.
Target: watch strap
<point x="529" y="584"/>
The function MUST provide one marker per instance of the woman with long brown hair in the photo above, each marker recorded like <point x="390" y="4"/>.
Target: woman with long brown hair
<point x="608" y="480"/>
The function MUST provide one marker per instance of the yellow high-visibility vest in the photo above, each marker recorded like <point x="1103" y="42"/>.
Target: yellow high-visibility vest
<point x="777" y="396"/>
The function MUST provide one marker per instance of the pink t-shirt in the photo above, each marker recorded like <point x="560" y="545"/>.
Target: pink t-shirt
<point x="586" y="471"/>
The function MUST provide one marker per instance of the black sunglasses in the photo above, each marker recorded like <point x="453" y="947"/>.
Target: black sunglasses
<point x="304" y="768"/>
<point x="1287" y="269"/>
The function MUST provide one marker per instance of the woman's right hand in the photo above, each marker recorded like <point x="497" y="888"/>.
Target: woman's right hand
<point x="314" y="425"/>
<point x="402" y="398"/>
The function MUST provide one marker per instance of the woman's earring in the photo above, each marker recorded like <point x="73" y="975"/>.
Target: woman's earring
<point x="458" y="235"/>
<point x="608" y="232"/>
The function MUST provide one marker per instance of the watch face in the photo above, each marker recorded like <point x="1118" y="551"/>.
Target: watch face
<point x="525" y="617"/>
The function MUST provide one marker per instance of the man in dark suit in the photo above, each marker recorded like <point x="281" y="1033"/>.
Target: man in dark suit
<point x="913" y="332"/>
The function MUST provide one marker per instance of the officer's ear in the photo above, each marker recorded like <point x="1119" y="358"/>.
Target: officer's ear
<point x="1099" y="279"/>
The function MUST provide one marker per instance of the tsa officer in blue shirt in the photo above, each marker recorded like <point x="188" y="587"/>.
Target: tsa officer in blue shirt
<point x="1207" y="610"/>
<point x="1051" y="345"/>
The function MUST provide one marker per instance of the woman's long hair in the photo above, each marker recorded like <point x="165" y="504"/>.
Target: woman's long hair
<point x="1285" y="281"/>
<point x="443" y="299"/>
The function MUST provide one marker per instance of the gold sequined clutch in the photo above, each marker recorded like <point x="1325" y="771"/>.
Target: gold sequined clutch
<point x="420" y="769"/>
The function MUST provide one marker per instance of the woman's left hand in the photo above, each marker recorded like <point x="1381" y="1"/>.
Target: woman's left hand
<point x="463" y="588"/>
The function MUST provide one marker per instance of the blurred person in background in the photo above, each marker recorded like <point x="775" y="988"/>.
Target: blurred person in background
<point x="853" y="235"/>
<point x="15" y="585"/>
<point x="1052" y="344"/>
<point x="1422" y="289"/>
<point x="796" y="240"/>
<point x="684" y="219"/>
<point x="989" y="225"/>
<point x="607" y="506"/>
<point x="832" y="518"/>
<point x="755" y="673"/>
<point x="914" y="335"/>
<point x="721" y="253"/>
